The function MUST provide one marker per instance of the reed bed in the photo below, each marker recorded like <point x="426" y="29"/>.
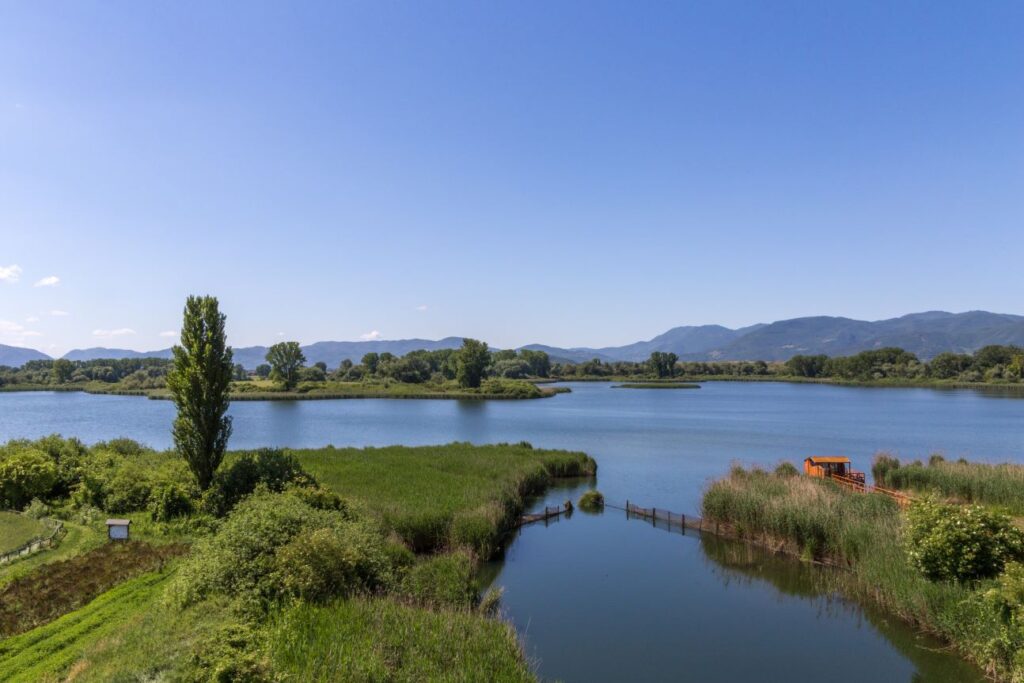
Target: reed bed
<point x="970" y="482"/>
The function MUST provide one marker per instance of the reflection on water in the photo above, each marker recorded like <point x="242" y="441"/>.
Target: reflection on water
<point x="603" y="597"/>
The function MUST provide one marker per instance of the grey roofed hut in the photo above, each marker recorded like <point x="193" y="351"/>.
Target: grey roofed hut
<point x="117" y="529"/>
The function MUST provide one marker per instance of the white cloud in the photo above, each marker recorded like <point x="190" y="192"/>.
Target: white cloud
<point x="49" y="281"/>
<point x="32" y="319"/>
<point x="169" y="333"/>
<point x="421" y="307"/>
<point x="59" y="314"/>
<point x="16" y="334"/>
<point x="370" y="336"/>
<point x="11" y="273"/>
<point x="110" y="334"/>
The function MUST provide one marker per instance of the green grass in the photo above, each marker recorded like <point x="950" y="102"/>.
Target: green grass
<point x="381" y="640"/>
<point x="817" y="518"/>
<point x="45" y="652"/>
<point x="1001" y="485"/>
<point x="78" y="538"/>
<point x="16" y="530"/>
<point x="436" y="497"/>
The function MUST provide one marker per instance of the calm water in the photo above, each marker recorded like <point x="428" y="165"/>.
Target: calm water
<point x="603" y="598"/>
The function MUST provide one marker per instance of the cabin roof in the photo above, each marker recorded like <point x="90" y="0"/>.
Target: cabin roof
<point x="822" y="459"/>
<point x="118" y="522"/>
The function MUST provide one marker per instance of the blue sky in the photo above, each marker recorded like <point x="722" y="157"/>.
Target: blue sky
<point x="575" y="173"/>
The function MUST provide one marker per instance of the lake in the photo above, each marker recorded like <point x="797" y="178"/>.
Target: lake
<point x="604" y="598"/>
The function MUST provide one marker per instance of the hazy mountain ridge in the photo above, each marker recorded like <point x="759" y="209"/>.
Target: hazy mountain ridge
<point x="925" y="334"/>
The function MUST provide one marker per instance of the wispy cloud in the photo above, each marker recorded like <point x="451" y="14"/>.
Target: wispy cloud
<point x="48" y="281"/>
<point x="16" y="333"/>
<point x="59" y="314"/>
<point x="169" y="333"/>
<point x="370" y="336"/>
<point x="110" y="334"/>
<point x="32" y="319"/>
<point x="421" y="307"/>
<point x="11" y="273"/>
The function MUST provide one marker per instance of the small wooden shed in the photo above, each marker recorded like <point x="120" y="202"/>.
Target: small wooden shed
<point x="826" y="466"/>
<point x="117" y="529"/>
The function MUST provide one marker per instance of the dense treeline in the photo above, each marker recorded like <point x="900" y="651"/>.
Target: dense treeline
<point x="995" y="364"/>
<point x="469" y="366"/>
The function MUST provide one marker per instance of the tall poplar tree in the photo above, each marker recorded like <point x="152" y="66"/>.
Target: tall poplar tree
<point x="200" y="383"/>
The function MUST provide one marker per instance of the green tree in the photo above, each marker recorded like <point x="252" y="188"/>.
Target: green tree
<point x="371" y="361"/>
<point x="471" y="362"/>
<point x="286" y="358"/>
<point x="200" y="383"/>
<point x="662" y="364"/>
<point x="263" y="370"/>
<point x="25" y="474"/>
<point x="62" y="370"/>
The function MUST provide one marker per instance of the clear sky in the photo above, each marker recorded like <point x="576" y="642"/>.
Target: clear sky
<point x="573" y="173"/>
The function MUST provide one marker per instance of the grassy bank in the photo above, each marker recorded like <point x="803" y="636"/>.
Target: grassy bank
<point x="444" y="496"/>
<point x="868" y="534"/>
<point x="17" y="530"/>
<point x="969" y="482"/>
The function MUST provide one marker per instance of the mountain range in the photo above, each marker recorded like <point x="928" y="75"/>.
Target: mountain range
<point x="925" y="334"/>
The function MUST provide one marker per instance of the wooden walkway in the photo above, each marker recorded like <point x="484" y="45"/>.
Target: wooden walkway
<point x="857" y="486"/>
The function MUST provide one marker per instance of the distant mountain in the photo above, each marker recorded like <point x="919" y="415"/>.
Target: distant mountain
<point x="98" y="352"/>
<point x="925" y="334"/>
<point x="16" y="356"/>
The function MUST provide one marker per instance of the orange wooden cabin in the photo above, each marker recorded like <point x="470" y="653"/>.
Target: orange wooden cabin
<point x="828" y="466"/>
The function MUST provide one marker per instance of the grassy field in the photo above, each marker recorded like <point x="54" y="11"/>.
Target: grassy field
<point x="17" y="530"/>
<point x="970" y="482"/>
<point x="444" y="496"/>
<point x="78" y="538"/>
<point x="381" y="640"/>
<point x="46" y="652"/>
<point x="867" y="533"/>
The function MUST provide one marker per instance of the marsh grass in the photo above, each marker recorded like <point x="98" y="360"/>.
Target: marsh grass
<point x="970" y="482"/>
<point x="820" y="517"/>
<point x="444" y="497"/>
<point x="867" y="533"/>
<point x="382" y="640"/>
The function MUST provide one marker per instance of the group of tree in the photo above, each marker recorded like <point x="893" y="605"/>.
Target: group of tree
<point x="134" y="373"/>
<point x="994" y="363"/>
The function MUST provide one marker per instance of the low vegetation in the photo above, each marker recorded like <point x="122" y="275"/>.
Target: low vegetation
<point x="591" y="501"/>
<point x="17" y="530"/>
<point x="656" y="385"/>
<point x="380" y="545"/>
<point x="969" y="482"/>
<point x="61" y="587"/>
<point x="951" y="570"/>
<point x="436" y="497"/>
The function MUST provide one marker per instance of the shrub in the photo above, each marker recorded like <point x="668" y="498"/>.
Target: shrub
<point x="592" y="501"/>
<point x="786" y="469"/>
<point x="341" y="560"/>
<point x="269" y="467"/>
<point x="122" y="446"/>
<point x="246" y="559"/>
<point x="168" y="500"/>
<point x="25" y="473"/>
<point x="37" y="509"/>
<point x="954" y="543"/>
<point x="884" y="464"/>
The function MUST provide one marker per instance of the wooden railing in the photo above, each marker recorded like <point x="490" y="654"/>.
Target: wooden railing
<point x="860" y="486"/>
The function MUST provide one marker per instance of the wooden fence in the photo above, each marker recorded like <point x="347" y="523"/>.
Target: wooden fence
<point x="858" y="486"/>
<point x="36" y="544"/>
<point x="548" y="513"/>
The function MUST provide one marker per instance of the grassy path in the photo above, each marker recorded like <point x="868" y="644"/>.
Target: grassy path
<point x="47" y="651"/>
